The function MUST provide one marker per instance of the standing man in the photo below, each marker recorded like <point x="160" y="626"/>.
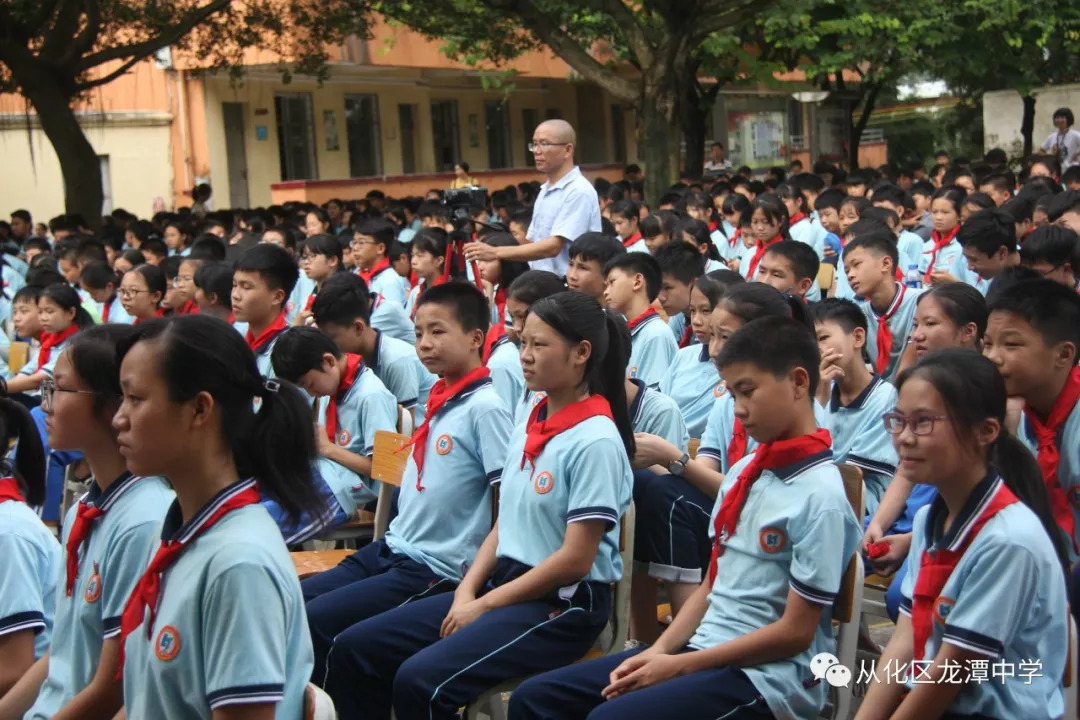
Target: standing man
<point x="566" y="207"/>
<point x="717" y="163"/>
<point x="1063" y="143"/>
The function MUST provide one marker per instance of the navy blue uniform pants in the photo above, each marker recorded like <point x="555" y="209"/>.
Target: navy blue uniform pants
<point x="671" y="536"/>
<point x="370" y="581"/>
<point x="398" y="659"/>
<point x="573" y="693"/>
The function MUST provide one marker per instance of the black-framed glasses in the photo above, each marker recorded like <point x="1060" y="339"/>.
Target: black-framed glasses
<point x="920" y="423"/>
<point x="50" y="388"/>
<point x="128" y="293"/>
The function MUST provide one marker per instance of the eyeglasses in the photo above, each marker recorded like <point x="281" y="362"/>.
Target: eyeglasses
<point x="361" y="243"/>
<point x="128" y="293"/>
<point x="181" y="280"/>
<point x="919" y="424"/>
<point x="544" y="145"/>
<point x="49" y="388"/>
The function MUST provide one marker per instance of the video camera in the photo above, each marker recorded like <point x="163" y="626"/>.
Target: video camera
<point x="460" y="200"/>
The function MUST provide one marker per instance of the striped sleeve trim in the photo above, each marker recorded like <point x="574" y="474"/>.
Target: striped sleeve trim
<point x="905" y="605"/>
<point x="494" y="477"/>
<point x="871" y="465"/>
<point x="409" y="404"/>
<point x="111" y="627"/>
<point x="22" y="621"/>
<point x="245" y="695"/>
<point x="608" y="515"/>
<point x="812" y="594"/>
<point x="973" y="641"/>
<point x="710" y="452"/>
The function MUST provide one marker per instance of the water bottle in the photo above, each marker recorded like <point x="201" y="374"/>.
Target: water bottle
<point x="913" y="278"/>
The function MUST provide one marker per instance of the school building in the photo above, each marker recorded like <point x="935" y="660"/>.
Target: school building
<point x="394" y="114"/>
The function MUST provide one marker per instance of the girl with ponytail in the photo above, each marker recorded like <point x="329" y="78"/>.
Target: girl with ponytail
<point x="218" y="622"/>
<point x="538" y="593"/>
<point x="988" y="561"/>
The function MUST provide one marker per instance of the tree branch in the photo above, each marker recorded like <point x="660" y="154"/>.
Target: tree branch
<point x="63" y="29"/>
<point x="84" y="41"/>
<point x="726" y="15"/>
<point x="93" y="83"/>
<point x="624" y="17"/>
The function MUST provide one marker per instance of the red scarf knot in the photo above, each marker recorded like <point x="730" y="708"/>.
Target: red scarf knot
<point x="627" y="242"/>
<point x="354" y="365"/>
<point x="760" y="253"/>
<point x="258" y="344"/>
<point x="369" y="275"/>
<point x="51" y="340"/>
<point x="939" y="241"/>
<point x="1048" y="456"/>
<point x="884" y="334"/>
<point x="641" y="318"/>
<point x="10" y="490"/>
<point x="539" y="432"/>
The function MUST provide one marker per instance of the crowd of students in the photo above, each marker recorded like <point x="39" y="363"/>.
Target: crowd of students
<point x="219" y="380"/>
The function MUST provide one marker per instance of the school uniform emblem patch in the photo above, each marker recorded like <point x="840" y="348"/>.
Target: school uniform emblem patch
<point x="344" y="438"/>
<point x="942" y="607"/>
<point x="772" y="540"/>
<point x="633" y="372"/>
<point x="720" y="389"/>
<point x="167" y="644"/>
<point x="543" y="483"/>
<point x="444" y="444"/>
<point x="93" y="586"/>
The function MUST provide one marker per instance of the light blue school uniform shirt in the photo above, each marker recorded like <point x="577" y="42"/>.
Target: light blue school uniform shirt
<point x="581" y="474"/>
<point x="859" y="437"/>
<point x="465" y="453"/>
<point x="652" y="349"/>
<point x="636" y="246"/>
<point x="1068" y="443"/>
<point x="401" y="371"/>
<point x="387" y="283"/>
<point x="230" y="626"/>
<point x="367" y="406"/>
<point x="677" y="323"/>
<point x="525" y="407"/>
<point x="505" y="366"/>
<point x="111" y="561"/>
<point x="567" y="208"/>
<point x="798" y="532"/>
<point x="655" y="413"/>
<point x="30" y="562"/>
<point x="946" y="256"/>
<point x="745" y="253"/>
<point x="390" y="317"/>
<point x="411" y="300"/>
<point x="305" y="286"/>
<point x="263" y="353"/>
<point x="116" y="314"/>
<point x="727" y="250"/>
<point x="1005" y="601"/>
<point x="805" y="232"/>
<point x="909" y="246"/>
<point x="903" y="315"/>
<point x="693" y="382"/>
<point x="843" y="287"/>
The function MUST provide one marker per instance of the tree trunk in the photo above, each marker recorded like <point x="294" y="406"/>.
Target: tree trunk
<point x="79" y="162"/>
<point x="694" y="131"/>
<point x="858" y="127"/>
<point x="1027" y="124"/>
<point x="658" y="135"/>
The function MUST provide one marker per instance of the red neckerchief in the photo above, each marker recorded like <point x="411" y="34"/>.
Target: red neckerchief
<point x="713" y="226"/>
<point x="940" y="241"/>
<point x="641" y="318"/>
<point x="759" y="253"/>
<point x="160" y="312"/>
<point x="232" y="318"/>
<point x="85" y="515"/>
<point x="539" y="432"/>
<point x="190" y="307"/>
<point x="50" y="340"/>
<point x="310" y="302"/>
<point x="495" y="333"/>
<point x="500" y="303"/>
<point x="687" y="335"/>
<point x="631" y="240"/>
<point x="796" y="218"/>
<point x="768" y="456"/>
<point x="884" y="334"/>
<point x="105" y="308"/>
<point x="258" y="343"/>
<point x="734" y="237"/>
<point x="10" y="490"/>
<point x="354" y="365"/>
<point x="1049" y="455"/>
<point x="369" y="275"/>
<point x="147" y="591"/>
<point x="936" y="566"/>
<point x="736" y="448"/>
<point x="413" y="279"/>
<point x="439" y="395"/>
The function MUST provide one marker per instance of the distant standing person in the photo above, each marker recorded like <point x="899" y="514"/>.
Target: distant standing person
<point x="717" y="162"/>
<point x="1064" y="142"/>
<point x="566" y="207"/>
<point x="461" y="177"/>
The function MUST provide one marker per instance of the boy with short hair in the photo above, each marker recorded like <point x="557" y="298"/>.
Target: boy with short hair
<point x="343" y="312"/>
<point x="680" y="266"/>
<point x="1052" y="250"/>
<point x="921" y="193"/>
<point x="909" y="244"/>
<point x="624" y="216"/>
<point x="387" y="317"/>
<point x="789" y="266"/>
<point x="372" y="239"/>
<point x="989" y="241"/>
<point x="854" y="397"/>
<point x="1033" y="336"/>
<point x="999" y="186"/>
<point x="632" y="284"/>
<point x="1064" y="210"/>
<point x="589" y="253"/>
<point x="264" y="277"/>
<point x="870" y="262"/>
<point x="827" y="214"/>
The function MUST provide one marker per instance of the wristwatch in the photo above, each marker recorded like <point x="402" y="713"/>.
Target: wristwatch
<point x="676" y="467"/>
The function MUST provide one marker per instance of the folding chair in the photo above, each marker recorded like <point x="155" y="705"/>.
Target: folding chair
<point x="318" y="705"/>
<point x="845" y="611"/>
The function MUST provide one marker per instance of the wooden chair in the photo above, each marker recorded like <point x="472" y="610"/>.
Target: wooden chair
<point x="18" y="355"/>
<point x="313" y="562"/>
<point x="845" y="611"/>
<point x="695" y="443"/>
<point x="611" y="640"/>
<point x="318" y="705"/>
<point x="1069" y="681"/>
<point x="826" y="276"/>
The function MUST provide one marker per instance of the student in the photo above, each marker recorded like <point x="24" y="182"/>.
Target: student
<point x="827" y="211"/>
<point x="26" y="321"/>
<point x="141" y="292"/>
<point x="263" y="279"/>
<point x="988" y="240"/>
<point x="854" y="396"/>
<point x="768" y="225"/>
<point x="850" y="210"/>
<point x="184" y="282"/>
<point x="127" y="260"/>
<point x="1053" y="251"/>
<point x="999" y="549"/>
<point x="177" y="237"/>
<point x="174" y="298"/>
<point x="320" y="258"/>
<point x="105" y="537"/>
<point x="61" y="317"/>
<point x="870" y="263"/>
<point x="908" y="244"/>
<point x="589" y="254"/>
<point x="625" y="215"/>
<point x="941" y="250"/>
<point x="100" y="281"/>
<point x="631" y="285"/>
<point x="565" y="484"/>
<point x="429" y="263"/>
<point x="401" y="261"/>
<point x="695" y="233"/>
<point x="29" y="558"/>
<point x="691" y="379"/>
<point x="456" y="458"/>
<point x="678" y="271"/>
<point x="1032" y="337"/>
<point x="190" y="641"/>
<point x="317" y="222"/>
<point x="343" y="312"/>
<point x="791" y="267"/>
<point x="528" y="289"/>
<point x="155" y="251"/>
<point x="370" y="250"/>
<point x="741" y="646"/>
<point x="800" y="228"/>
<point x="213" y="292"/>
<point x="497" y="275"/>
<point x="732" y="210"/>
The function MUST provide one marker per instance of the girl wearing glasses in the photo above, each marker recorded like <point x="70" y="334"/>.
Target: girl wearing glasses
<point x="141" y="292"/>
<point x="29" y="554"/>
<point x="62" y="315"/>
<point x="105" y="541"/>
<point x="320" y="257"/>
<point x="987" y="580"/>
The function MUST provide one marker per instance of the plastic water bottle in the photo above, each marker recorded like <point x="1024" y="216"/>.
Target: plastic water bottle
<point x="913" y="278"/>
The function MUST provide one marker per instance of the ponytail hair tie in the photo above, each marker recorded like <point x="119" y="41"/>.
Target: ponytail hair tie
<point x="270" y="386"/>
